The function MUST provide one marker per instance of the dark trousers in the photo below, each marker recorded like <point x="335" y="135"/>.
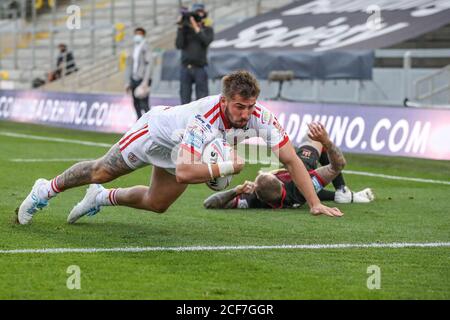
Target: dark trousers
<point x="193" y="75"/>
<point x="140" y="105"/>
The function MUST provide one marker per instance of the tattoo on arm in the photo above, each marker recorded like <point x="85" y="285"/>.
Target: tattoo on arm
<point x="220" y="200"/>
<point x="336" y="156"/>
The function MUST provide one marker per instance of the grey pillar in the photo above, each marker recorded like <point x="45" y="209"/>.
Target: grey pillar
<point x="52" y="35"/>
<point x="155" y="12"/>
<point x="133" y="11"/>
<point x="406" y="74"/>
<point x="16" y="31"/>
<point x="112" y="22"/>
<point x="72" y="32"/>
<point x="92" y="26"/>
<point x="33" y="34"/>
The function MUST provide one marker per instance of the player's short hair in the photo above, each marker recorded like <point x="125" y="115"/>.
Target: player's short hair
<point x="268" y="188"/>
<point x="140" y="29"/>
<point x="240" y="82"/>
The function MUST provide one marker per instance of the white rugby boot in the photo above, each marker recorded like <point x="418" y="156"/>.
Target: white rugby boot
<point x="345" y="195"/>
<point x="88" y="206"/>
<point x="363" y="196"/>
<point x="32" y="203"/>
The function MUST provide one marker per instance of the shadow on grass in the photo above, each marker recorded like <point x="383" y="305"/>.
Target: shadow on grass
<point x="219" y="229"/>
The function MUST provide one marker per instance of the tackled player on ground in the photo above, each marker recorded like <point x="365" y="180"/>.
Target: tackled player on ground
<point x="172" y="139"/>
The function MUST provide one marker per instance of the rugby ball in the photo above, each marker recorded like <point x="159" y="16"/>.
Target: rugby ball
<point x="217" y="151"/>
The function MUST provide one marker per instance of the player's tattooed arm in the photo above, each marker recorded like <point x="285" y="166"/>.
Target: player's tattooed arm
<point x="317" y="132"/>
<point x="225" y="199"/>
<point x="336" y="157"/>
<point x="220" y="200"/>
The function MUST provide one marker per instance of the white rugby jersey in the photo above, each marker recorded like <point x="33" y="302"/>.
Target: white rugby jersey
<point x="194" y="125"/>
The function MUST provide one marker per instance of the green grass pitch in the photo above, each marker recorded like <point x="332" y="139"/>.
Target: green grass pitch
<point x="404" y="211"/>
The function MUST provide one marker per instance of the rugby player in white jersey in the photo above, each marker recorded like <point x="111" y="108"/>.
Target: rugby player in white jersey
<point x="172" y="140"/>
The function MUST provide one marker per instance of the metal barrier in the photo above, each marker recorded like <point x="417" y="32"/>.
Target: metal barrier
<point x="434" y="89"/>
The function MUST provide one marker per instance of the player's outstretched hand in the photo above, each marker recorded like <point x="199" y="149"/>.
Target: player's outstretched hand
<point x="321" y="209"/>
<point x="317" y="132"/>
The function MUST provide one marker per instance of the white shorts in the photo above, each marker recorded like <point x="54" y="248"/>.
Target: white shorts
<point x="138" y="149"/>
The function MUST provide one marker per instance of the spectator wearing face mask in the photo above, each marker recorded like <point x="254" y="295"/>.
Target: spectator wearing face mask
<point x="138" y="72"/>
<point x="65" y="64"/>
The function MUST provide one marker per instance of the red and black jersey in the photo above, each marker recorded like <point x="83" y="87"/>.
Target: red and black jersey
<point x="290" y="197"/>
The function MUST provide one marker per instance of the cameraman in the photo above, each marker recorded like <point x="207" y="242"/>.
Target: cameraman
<point x="193" y="39"/>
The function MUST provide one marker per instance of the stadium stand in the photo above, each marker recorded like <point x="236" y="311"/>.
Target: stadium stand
<point x="33" y="51"/>
<point x="98" y="49"/>
<point x="413" y="70"/>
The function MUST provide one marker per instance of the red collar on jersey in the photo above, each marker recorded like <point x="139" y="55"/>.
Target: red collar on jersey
<point x="225" y="121"/>
<point x="283" y="196"/>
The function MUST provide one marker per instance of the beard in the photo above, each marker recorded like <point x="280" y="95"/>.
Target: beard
<point x="234" y="124"/>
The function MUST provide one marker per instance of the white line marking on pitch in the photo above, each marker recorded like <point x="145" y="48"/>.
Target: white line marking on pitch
<point x="32" y="137"/>
<point x="98" y="144"/>
<point x="50" y="160"/>
<point x="369" y="174"/>
<point x="226" y="248"/>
